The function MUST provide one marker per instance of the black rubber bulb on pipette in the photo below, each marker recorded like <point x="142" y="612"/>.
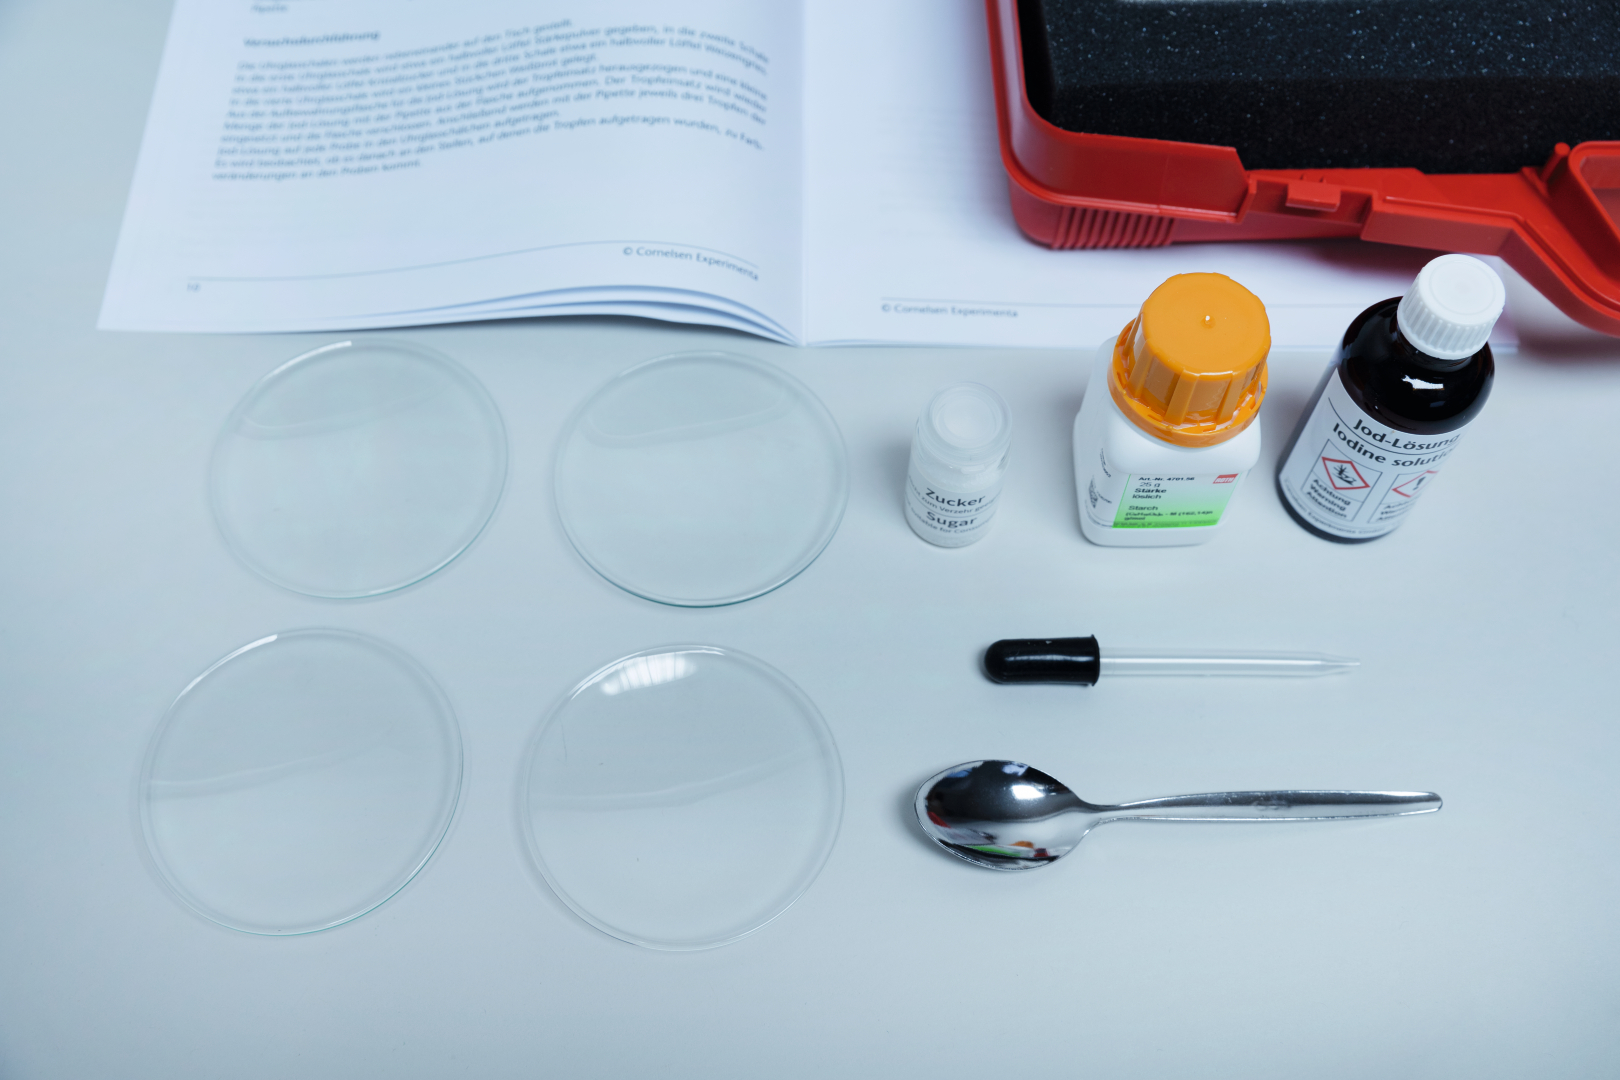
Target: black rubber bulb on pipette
<point x="1060" y="660"/>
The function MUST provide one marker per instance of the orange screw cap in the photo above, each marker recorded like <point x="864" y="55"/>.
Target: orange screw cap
<point x="1191" y="367"/>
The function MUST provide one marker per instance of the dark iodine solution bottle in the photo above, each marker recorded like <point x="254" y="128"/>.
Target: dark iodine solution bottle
<point x="1409" y="375"/>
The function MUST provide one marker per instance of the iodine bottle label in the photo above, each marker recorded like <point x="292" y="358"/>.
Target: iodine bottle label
<point x="1351" y="476"/>
<point x="949" y="518"/>
<point x="1116" y="499"/>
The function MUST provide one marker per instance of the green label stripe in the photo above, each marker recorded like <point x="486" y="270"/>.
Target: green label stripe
<point x="1013" y="853"/>
<point x="1174" y="502"/>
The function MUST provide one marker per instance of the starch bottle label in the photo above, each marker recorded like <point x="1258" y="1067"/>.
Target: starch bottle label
<point x="1117" y="499"/>
<point x="1351" y="476"/>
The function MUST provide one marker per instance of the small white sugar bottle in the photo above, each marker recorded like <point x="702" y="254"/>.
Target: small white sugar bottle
<point x="1166" y="432"/>
<point x="958" y="460"/>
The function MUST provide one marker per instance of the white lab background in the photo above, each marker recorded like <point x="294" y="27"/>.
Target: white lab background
<point x="1477" y="942"/>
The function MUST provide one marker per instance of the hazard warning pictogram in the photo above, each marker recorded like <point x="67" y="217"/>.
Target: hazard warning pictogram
<point x="1343" y="475"/>
<point x="1411" y="487"/>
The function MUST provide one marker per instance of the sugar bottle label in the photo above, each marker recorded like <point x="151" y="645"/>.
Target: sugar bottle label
<point x="1116" y="499"/>
<point x="1351" y="476"/>
<point x="949" y="518"/>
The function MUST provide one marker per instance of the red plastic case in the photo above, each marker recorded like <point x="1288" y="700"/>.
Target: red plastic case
<point x="1555" y="225"/>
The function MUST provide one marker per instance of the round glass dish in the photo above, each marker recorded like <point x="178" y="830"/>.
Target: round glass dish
<point x="701" y="479"/>
<point x="358" y="468"/>
<point x="300" y="782"/>
<point x="682" y="798"/>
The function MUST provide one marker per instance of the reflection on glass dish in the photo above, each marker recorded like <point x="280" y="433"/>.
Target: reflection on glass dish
<point x="682" y="798"/>
<point x="701" y="479"/>
<point x="358" y="468"/>
<point x="300" y="782"/>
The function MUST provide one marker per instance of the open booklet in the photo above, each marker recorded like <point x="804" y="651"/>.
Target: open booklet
<point x="816" y="173"/>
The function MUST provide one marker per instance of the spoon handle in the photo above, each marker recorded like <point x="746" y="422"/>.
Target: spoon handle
<point x="1275" y="806"/>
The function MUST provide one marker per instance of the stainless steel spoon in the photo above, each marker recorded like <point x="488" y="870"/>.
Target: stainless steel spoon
<point x="1005" y="815"/>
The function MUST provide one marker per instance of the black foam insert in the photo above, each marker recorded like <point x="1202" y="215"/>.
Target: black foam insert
<point x="1438" y="85"/>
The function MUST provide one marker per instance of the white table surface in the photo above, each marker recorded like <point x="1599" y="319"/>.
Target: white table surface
<point x="1477" y="942"/>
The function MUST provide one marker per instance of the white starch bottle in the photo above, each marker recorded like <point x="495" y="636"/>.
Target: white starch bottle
<point x="1166" y="432"/>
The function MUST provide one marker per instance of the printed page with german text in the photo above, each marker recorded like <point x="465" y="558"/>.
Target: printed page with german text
<point x="339" y="164"/>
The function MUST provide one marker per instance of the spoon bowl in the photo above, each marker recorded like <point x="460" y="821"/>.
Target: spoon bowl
<point x="1005" y="815"/>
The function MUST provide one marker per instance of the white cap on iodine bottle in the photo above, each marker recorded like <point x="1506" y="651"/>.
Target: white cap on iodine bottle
<point x="1450" y="309"/>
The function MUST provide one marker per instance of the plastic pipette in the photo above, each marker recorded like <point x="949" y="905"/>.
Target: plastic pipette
<point x="1081" y="660"/>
